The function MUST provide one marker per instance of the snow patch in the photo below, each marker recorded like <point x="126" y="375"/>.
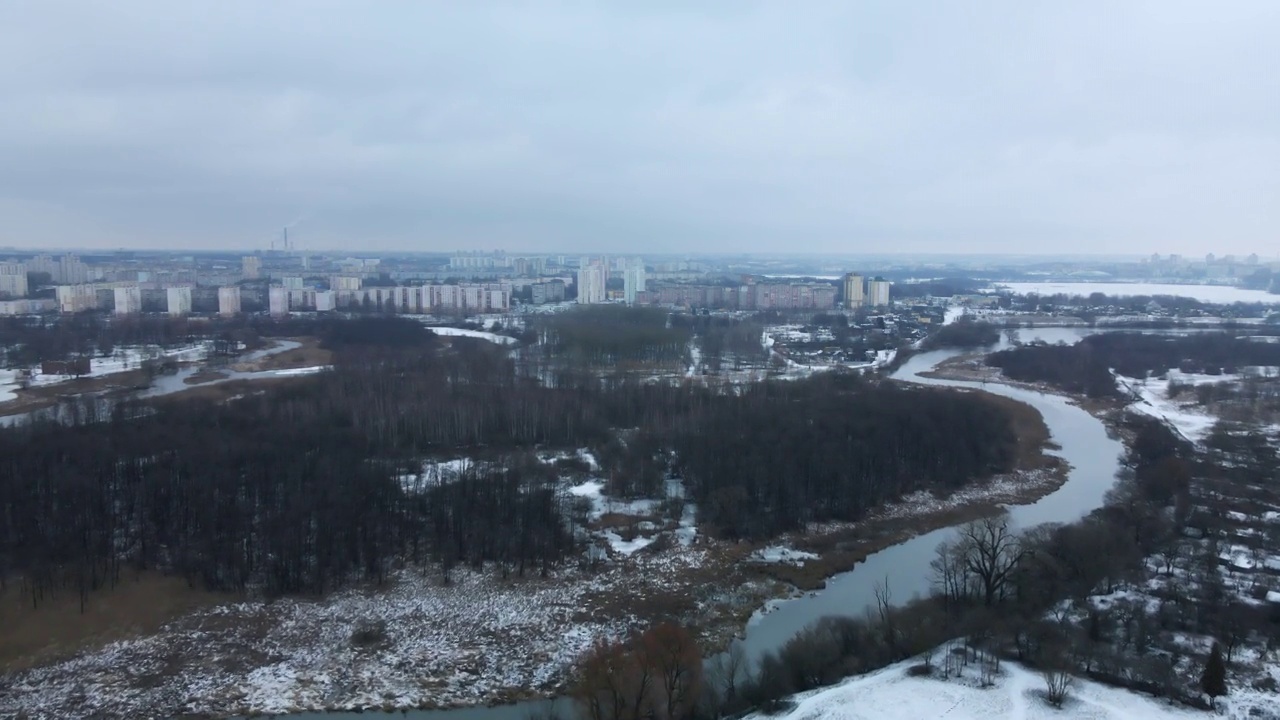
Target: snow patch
<point x="1016" y="694"/>
<point x="1153" y="400"/>
<point x="781" y="554"/>
<point x="463" y="332"/>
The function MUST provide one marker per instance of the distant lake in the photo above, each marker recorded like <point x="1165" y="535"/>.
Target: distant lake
<point x="1203" y="293"/>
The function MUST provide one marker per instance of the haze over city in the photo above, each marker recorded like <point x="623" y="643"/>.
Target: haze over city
<point x="999" y="127"/>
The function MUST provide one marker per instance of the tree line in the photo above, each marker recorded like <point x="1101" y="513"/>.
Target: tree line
<point x="778" y="455"/>
<point x="297" y="488"/>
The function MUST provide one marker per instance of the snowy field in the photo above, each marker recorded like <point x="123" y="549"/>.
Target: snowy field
<point x="781" y="554"/>
<point x="1182" y="413"/>
<point x="1203" y="293"/>
<point x="1016" y="694"/>
<point x="777" y="336"/>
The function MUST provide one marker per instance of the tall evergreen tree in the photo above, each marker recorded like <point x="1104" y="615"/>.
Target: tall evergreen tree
<point x="1214" y="679"/>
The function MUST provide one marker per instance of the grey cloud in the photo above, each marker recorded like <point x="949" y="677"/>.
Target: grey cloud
<point x="729" y="126"/>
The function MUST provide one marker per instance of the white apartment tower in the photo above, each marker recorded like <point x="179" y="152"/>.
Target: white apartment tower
<point x="592" y="275"/>
<point x="128" y="300"/>
<point x="251" y="267"/>
<point x="71" y="271"/>
<point x="278" y="301"/>
<point x="229" y="301"/>
<point x="854" y="295"/>
<point x="878" y="292"/>
<point x="77" y="298"/>
<point x="633" y="280"/>
<point x="13" y="279"/>
<point x="344" y="283"/>
<point x="324" y="301"/>
<point x="178" y="301"/>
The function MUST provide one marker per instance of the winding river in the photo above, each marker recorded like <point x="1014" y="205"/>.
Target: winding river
<point x="1094" y="458"/>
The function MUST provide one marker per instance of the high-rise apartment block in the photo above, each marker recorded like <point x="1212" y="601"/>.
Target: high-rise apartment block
<point x="548" y="292"/>
<point x="13" y="280"/>
<point x="128" y="300"/>
<point x="878" y="292"/>
<point x="633" y="280"/>
<point x="178" y="301"/>
<point x="251" y="267"/>
<point x="71" y="271"/>
<point x="278" y="301"/>
<point x="77" y="298"/>
<point x="229" y="301"/>
<point x="592" y="275"/>
<point x="325" y="301"/>
<point x="343" y="283"/>
<point x="854" y="291"/>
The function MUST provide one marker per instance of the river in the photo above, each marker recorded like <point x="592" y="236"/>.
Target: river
<point x="1094" y="458"/>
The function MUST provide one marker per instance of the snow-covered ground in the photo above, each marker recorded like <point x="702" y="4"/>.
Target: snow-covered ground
<point x="695" y="358"/>
<point x="124" y="360"/>
<point x="445" y="645"/>
<point x="1182" y="413"/>
<point x="796" y="333"/>
<point x="781" y="554"/>
<point x="954" y="313"/>
<point x="1016" y="694"/>
<point x="435" y="473"/>
<point x="293" y="372"/>
<point x="462" y="332"/>
<point x="1003" y="489"/>
<point x="646" y="531"/>
<point x="776" y="336"/>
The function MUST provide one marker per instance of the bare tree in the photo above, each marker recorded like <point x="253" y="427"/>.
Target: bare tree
<point x="1170" y="554"/>
<point x="991" y="552"/>
<point x="884" y="612"/>
<point x="676" y="660"/>
<point x="1057" y="681"/>
<point x="724" y="673"/>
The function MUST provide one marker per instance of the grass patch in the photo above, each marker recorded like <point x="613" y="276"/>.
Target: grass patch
<point x="57" y="629"/>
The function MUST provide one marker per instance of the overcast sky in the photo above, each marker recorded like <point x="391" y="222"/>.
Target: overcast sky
<point x="822" y="126"/>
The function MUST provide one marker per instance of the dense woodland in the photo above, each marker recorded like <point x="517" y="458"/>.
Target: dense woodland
<point x="830" y="448"/>
<point x="296" y="489"/>
<point x="1086" y="366"/>
<point x="964" y="333"/>
<point x="610" y="336"/>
